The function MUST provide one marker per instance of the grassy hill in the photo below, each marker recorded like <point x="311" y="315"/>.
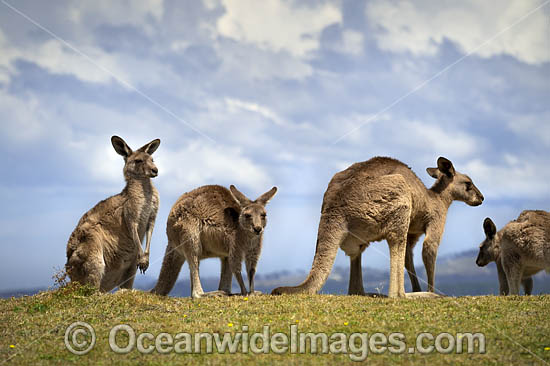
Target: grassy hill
<point x="516" y="329"/>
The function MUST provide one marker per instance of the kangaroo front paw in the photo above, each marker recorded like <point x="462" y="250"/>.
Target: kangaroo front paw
<point x="143" y="262"/>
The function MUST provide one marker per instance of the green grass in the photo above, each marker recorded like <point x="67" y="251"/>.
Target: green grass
<point x="32" y="328"/>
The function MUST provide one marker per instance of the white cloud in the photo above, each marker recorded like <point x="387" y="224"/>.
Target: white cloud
<point x="387" y="131"/>
<point x="532" y="126"/>
<point x="277" y="25"/>
<point x="350" y="43"/>
<point x="199" y="164"/>
<point x="122" y="12"/>
<point x="249" y="62"/>
<point x="20" y="118"/>
<point x="7" y="53"/>
<point x="98" y="67"/>
<point x="235" y="104"/>
<point x="58" y="59"/>
<point x="513" y="177"/>
<point x="211" y="4"/>
<point x="421" y="28"/>
<point x="454" y="143"/>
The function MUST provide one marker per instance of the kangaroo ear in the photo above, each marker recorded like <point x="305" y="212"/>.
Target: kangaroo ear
<point x="489" y="228"/>
<point x="231" y="215"/>
<point x="241" y="198"/>
<point x="267" y="196"/>
<point x="151" y="147"/>
<point x="434" y="172"/>
<point x="445" y="166"/>
<point x="120" y="146"/>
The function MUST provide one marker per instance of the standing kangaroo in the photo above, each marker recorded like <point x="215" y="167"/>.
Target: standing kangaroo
<point x="104" y="249"/>
<point x="383" y="199"/>
<point x="213" y="221"/>
<point x="520" y="249"/>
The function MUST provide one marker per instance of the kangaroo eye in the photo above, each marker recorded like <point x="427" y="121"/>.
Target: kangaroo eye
<point x="264" y="216"/>
<point x="468" y="185"/>
<point x="138" y="161"/>
<point x="247" y="216"/>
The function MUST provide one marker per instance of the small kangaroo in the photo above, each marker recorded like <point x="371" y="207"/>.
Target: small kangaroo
<point x="213" y="221"/>
<point x="520" y="249"/>
<point x="383" y="199"/>
<point x="104" y="249"/>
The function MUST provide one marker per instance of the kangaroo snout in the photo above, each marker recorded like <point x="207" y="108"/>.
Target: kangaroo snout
<point x="481" y="198"/>
<point x="480" y="262"/>
<point x="258" y="230"/>
<point x="154" y="172"/>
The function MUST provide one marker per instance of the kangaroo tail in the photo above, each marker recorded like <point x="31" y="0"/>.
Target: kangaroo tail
<point x="171" y="266"/>
<point x="330" y="235"/>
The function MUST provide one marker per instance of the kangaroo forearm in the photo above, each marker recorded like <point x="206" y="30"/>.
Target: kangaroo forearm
<point x="133" y="229"/>
<point x="149" y="234"/>
<point x="137" y="242"/>
<point x="148" y="240"/>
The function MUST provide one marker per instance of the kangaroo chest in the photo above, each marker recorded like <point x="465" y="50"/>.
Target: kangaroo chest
<point x="142" y="207"/>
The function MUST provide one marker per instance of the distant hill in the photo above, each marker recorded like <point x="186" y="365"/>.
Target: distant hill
<point x="457" y="275"/>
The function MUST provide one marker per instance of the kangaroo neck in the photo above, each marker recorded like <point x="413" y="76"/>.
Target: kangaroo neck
<point x="138" y="187"/>
<point x="440" y="197"/>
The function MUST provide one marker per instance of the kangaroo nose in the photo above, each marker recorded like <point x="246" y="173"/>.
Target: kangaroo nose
<point x="155" y="171"/>
<point x="258" y="230"/>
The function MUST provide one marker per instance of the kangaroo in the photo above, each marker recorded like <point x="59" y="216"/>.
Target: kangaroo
<point x="520" y="249"/>
<point x="383" y="199"/>
<point x="213" y="221"/>
<point x="104" y="249"/>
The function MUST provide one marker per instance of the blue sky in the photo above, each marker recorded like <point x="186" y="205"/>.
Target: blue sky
<point x="258" y="94"/>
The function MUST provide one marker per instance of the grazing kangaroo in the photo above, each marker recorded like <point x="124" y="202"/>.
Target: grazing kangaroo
<point x="213" y="221"/>
<point x="104" y="249"/>
<point x="383" y="199"/>
<point x="520" y="249"/>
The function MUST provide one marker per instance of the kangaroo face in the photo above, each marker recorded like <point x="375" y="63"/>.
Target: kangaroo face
<point x="489" y="249"/>
<point x="140" y="165"/>
<point x="253" y="218"/>
<point x="137" y="164"/>
<point x="463" y="189"/>
<point x="459" y="185"/>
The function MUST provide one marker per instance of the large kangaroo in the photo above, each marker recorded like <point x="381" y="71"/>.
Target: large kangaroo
<point x="105" y="248"/>
<point x="383" y="199"/>
<point x="520" y="249"/>
<point x="213" y="221"/>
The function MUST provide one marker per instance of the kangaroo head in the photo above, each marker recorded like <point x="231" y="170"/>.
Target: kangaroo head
<point x="489" y="249"/>
<point x="253" y="216"/>
<point x="460" y="186"/>
<point x="139" y="164"/>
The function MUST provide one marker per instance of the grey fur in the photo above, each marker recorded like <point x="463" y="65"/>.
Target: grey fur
<point x="520" y="249"/>
<point x="383" y="199"/>
<point x="104" y="249"/>
<point x="213" y="221"/>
